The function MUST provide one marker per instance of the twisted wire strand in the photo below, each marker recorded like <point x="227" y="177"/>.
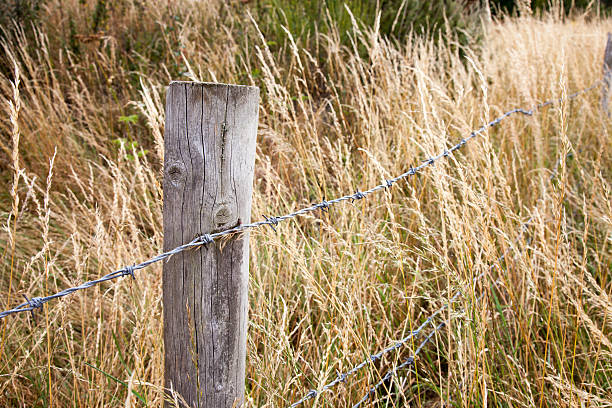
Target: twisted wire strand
<point x="404" y="341"/>
<point x="409" y="362"/>
<point x="37" y="302"/>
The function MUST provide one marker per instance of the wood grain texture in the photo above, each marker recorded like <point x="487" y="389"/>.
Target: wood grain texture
<point x="607" y="71"/>
<point x="210" y="138"/>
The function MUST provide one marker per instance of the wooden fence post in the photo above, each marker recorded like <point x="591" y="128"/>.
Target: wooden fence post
<point x="210" y="140"/>
<point x="607" y="71"/>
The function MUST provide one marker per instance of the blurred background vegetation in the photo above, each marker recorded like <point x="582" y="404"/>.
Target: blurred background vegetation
<point x="82" y="30"/>
<point x="457" y="20"/>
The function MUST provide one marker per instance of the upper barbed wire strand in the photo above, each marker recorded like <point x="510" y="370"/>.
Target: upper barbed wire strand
<point x="37" y="302"/>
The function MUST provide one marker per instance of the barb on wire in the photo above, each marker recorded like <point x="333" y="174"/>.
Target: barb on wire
<point x="37" y="302"/>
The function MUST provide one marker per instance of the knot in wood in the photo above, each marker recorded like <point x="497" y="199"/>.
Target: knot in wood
<point x="223" y="216"/>
<point x="175" y="172"/>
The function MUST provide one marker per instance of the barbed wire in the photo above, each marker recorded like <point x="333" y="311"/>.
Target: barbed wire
<point x="409" y="362"/>
<point x="341" y="378"/>
<point x="374" y="357"/>
<point x="37" y="302"/>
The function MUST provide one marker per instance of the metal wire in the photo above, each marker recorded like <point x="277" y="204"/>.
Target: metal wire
<point x="37" y="302"/>
<point x="342" y="377"/>
<point x="409" y="362"/>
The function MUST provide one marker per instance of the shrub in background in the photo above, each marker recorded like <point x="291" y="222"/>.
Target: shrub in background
<point x="398" y="18"/>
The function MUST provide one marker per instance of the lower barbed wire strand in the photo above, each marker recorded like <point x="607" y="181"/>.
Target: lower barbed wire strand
<point x="313" y="393"/>
<point x="409" y="362"/>
<point x="38" y="302"/>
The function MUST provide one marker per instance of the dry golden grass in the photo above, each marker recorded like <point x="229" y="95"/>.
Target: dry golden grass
<point x="325" y="291"/>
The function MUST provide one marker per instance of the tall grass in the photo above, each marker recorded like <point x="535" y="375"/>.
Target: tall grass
<point x="83" y="196"/>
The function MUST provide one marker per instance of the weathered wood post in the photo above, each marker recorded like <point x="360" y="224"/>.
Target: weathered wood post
<point x="210" y="140"/>
<point x="607" y="71"/>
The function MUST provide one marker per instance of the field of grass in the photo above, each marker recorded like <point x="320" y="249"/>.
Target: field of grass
<point x="81" y="153"/>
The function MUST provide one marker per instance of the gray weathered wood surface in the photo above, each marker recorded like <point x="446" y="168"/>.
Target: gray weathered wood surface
<point x="607" y="71"/>
<point x="210" y="140"/>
